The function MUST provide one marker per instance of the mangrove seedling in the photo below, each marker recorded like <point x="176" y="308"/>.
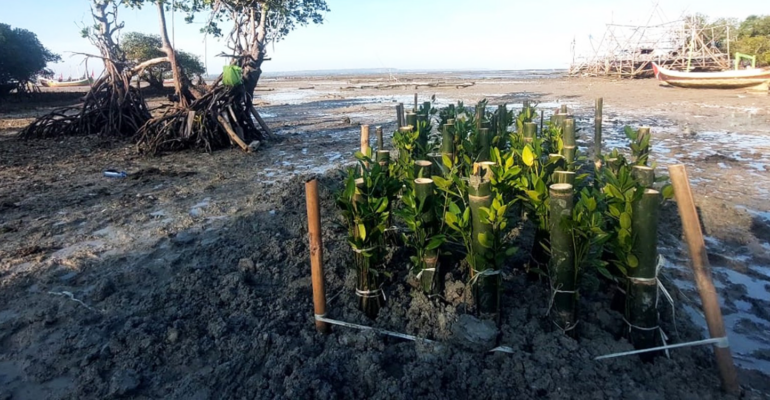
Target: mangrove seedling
<point x="365" y="206"/>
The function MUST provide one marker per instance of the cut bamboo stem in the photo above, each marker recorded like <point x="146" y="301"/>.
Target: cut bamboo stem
<point x="486" y="287"/>
<point x="383" y="158"/>
<point x="598" y="119"/>
<point x="642" y="289"/>
<point x="380" y="141"/>
<point x="423" y="169"/>
<point x="644" y="132"/>
<point x="569" y="153"/>
<point x="568" y="133"/>
<point x="644" y="175"/>
<point x="415" y="102"/>
<point x="702" y="272"/>
<point x="562" y="266"/>
<point x="529" y="132"/>
<point x="485" y="144"/>
<point x="400" y="115"/>
<point x="563" y="109"/>
<point x="423" y="188"/>
<point x="564" y="177"/>
<point x="316" y="253"/>
<point x="448" y="140"/>
<point x="438" y="167"/>
<point x="411" y="120"/>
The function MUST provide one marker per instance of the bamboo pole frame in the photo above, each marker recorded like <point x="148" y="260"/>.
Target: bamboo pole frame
<point x="316" y="253"/>
<point x="702" y="273"/>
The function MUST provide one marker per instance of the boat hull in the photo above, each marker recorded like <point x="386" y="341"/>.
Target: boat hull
<point x="55" y="84"/>
<point x="754" y="79"/>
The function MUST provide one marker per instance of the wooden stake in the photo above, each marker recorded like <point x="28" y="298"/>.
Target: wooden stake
<point x="415" y="102"/>
<point x="400" y="114"/>
<point x="702" y="272"/>
<point x="260" y="121"/>
<point x="316" y="253"/>
<point x="365" y="139"/>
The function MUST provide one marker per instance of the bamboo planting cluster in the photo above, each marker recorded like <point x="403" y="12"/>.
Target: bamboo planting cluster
<point x="459" y="190"/>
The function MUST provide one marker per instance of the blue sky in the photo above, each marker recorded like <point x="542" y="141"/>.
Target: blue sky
<point x="404" y="34"/>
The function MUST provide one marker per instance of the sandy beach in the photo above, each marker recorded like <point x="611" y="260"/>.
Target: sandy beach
<point x="190" y="277"/>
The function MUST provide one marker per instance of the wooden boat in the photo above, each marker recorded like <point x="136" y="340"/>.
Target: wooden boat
<point x="746" y="78"/>
<point x="54" y="84"/>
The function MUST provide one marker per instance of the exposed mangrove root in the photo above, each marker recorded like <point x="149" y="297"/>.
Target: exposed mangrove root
<point x="204" y="124"/>
<point x="110" y="108"/>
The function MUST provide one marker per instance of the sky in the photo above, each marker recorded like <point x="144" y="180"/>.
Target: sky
<point x="399" y="34"/>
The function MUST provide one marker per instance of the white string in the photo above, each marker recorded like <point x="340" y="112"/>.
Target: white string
<point x="370" y="294"/>
<point x="720" y="342"/>
<point x="425" y="270"/>
<point x="323" y="318"/>
<point x="359" y="251"/>
<point x="486" y="272"/>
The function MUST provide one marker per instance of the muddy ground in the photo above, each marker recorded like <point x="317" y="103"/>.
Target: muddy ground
<point x="190" y="278"/>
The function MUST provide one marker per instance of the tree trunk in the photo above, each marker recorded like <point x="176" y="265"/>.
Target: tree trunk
<point x="181" y="83"/>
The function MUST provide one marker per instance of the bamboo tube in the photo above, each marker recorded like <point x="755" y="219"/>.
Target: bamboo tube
<point x="564" y="177"/>
<point x="423" y="169"/>
<point x="642" y="288"/>
<point x="485" y="168"/>
<point x="560" y="163"/>
<point x="529" y="132"/>
<point x="644" y="175"/>
<point x="423" y="188"/>
<point x="485" y="290"/>
<point x="422" y="128"/>
<point x="563" y="109"/>
<point x="598" y="119"/>
<point x="383" y="158"/>
<point x="558" y="120"/>
<point x="400" y="115"/>
<point x="415" y="102"/>
<point x="562" y="265"/>
<point x="448" y="140"/>
<point x="502" y="119"/>
<point x="568" y="134"/>
<point x="316" y="253"/>
<point x="569" y="154"/>
<point x="485" y="144"/>
<point x="542" y="118"/>
<point x="479" y="116"/>
<point x="365" y="149"/>
<point x="404" y="155"/>
<point x="426" y="107"/>
<point x="437" y="167"/>
<point x="702" y="272"/>
<point x="411" y="120"/>
<point x="380" y="141"/>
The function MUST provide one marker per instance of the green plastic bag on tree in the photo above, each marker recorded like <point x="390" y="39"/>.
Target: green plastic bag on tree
<point x="231" y="75"/>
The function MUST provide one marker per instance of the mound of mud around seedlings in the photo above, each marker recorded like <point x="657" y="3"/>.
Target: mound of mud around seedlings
<point x="227" y="313"/>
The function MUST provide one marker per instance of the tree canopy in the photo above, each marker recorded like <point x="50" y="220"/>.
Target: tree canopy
<point x="22" y="56"/>
<point x="754" y="38"/>
<point x="140" y="47"/>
